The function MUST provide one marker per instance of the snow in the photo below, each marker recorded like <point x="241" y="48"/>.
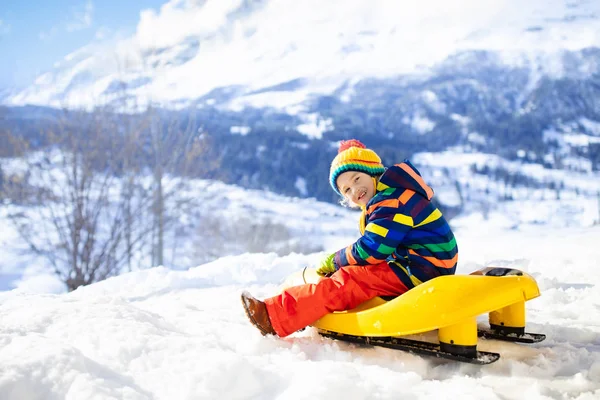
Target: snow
<point x="419" y="123"/>
<point x="300" y="184"/>
<point x="160" y="333"/>
<point x="460" y="163"/>
<point x="592" y="126"/>
<point x="164" y="334"/>
<point x="572" y="139"/>
<point x="435" y="103"/>
<point x="240" y="130"/>
<point x="225" y="219"/>
<point x="315" y="126"/>
<point x="178" y="331"/>
<point x="189" y="48"/>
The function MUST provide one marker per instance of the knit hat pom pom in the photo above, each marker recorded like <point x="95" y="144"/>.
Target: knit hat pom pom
<point x="346" y="144"/>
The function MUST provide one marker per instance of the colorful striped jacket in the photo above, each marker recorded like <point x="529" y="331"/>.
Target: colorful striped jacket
<point x="400" y="225"/>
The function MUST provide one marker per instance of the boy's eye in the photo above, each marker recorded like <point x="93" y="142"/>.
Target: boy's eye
<point x="356" y="179"/>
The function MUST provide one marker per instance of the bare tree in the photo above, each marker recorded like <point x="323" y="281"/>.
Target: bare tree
<point x="135" y="196"/>
<point x="175" y="146"/>
<point x="79" y="226"/>
<point x="168" y="142"/>
<point x="109" y="182"/>
<point x="598" y="221"/>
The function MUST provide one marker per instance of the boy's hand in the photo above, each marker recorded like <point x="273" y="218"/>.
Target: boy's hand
<point x="326" y="266"/>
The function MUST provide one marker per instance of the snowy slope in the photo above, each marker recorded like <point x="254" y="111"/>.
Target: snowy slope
<point x="223" y="219"/>
<point x="217" y="222"/>
<point x="279" y="52"/>
<point x="162" y="334"/>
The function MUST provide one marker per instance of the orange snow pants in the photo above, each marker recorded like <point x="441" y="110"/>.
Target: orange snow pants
<point x="300" y="306"/>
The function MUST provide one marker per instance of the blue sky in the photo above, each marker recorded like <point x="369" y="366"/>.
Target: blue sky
<point x="34" y="34"/>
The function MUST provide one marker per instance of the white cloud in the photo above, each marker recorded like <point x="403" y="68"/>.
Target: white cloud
<point x="81" y="18"/>
<point x="177" y="20"/>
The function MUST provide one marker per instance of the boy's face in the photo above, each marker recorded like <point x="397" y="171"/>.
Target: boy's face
<point x="356" y="187"/>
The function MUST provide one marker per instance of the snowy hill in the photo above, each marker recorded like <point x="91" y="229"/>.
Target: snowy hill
<point x="163" y="334"/>
<point x="213" y="220"/>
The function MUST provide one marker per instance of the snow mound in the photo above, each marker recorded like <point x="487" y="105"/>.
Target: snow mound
<point x="164" y="334"/>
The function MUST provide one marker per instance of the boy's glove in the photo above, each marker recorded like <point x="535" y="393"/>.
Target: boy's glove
<point x="326" y="266"/>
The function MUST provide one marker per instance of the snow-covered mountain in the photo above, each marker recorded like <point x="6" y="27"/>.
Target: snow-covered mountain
<point x="277" y="83"/>
<point x="281" y="53"/>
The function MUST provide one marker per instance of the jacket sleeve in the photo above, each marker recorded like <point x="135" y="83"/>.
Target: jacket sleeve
<point x="384" y="232"/>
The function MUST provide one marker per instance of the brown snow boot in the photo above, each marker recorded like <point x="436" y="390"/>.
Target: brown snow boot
<point x="256" y="311"/>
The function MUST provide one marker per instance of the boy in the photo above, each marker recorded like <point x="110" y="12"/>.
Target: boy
<point x="405" y="241"/>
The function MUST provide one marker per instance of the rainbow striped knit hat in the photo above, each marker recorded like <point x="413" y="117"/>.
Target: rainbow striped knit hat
<point x="354" y="156"/>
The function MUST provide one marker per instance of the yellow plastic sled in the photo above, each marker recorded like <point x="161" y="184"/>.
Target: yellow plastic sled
<point x="448" y="304"/>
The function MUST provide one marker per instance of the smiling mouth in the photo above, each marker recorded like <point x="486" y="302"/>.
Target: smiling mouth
<point x="362" y="194"/>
